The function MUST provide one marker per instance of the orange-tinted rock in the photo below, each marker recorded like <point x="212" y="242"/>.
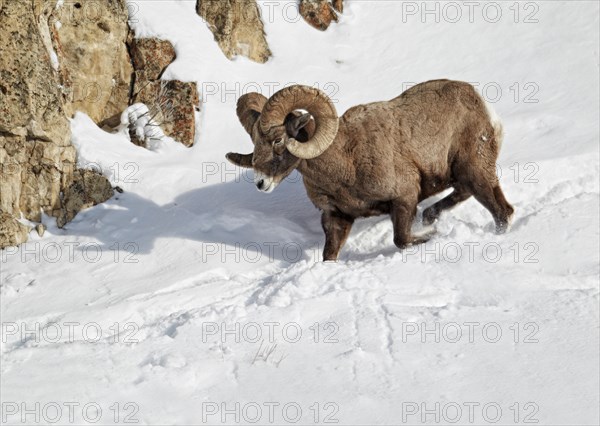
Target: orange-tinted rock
<point x="172" y="104"/>
<point x="318" y="13"/>
<point x="338" y="5"/>
<point x="151" y="56"/>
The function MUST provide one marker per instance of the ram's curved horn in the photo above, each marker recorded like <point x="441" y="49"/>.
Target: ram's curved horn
<point x="317" y="104"/>
<point x="242" y="160"/>
<point x="248" y="109"/>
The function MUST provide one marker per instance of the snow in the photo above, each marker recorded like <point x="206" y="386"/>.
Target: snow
<point x="141" y="120"/>
<point x="184" y="295"/>
<point x="54" y="60"/>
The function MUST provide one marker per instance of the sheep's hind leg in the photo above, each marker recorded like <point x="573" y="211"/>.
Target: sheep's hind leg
<point x="492" y="198"/>
<point x="507" y="211"/>
<point x="337" y="228"/>
<point x="432" y="213"/>
<point x="403" y="213"/>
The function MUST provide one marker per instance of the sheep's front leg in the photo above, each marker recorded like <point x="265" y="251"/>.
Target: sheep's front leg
<point x="403" y="213"/>
<point x="337" y="227"/>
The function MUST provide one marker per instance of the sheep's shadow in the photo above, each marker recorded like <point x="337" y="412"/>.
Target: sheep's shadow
<point x="231" y="214"/>
<point x="223" y="217"/>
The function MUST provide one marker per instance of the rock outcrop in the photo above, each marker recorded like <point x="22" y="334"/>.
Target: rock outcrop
<point x="320" y="13"/>
<point x="37" y="159"/>
<point x="36" y="154"/>
<point x="87" y="189"/>
<point x="57" y="58"/>
<point x="338" y="5"/>
<point x="95" y="71"/>
<point x="237" y="27"/>
<point x="150" y="57"/>
<point x="172" y="103"/>
<point x="12" y="232"/>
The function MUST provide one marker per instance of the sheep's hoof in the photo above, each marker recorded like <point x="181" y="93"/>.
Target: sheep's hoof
<point x="330" y="257"/>
<point x="420" y="240"/>
<point x="413" y="241"/>
<point x="430" y="215"/>
<point x="503" y="226"/>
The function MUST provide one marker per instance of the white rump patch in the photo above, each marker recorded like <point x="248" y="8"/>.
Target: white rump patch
<point x="495" y="121"/>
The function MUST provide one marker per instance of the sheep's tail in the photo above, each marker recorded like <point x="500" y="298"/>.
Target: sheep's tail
<point x="495" y="122"/>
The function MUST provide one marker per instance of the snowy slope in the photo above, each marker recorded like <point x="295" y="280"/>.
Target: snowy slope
<point x="181" y="300"/>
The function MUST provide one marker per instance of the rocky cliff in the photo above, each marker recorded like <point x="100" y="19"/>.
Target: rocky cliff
<point x="94" y="68"/>
<point x="237" y="27"/>
<point x="58" y="57"/>
<point x="36" y="155"/>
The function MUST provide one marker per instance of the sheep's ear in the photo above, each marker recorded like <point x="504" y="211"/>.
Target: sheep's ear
<point x="249" y="107"/>
<point x="295" y="125"/>
<point x="241" y="160"/>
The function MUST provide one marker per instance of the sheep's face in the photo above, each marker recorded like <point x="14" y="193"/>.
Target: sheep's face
<point x="296" y="124"/>
<point x="271" y="160"/>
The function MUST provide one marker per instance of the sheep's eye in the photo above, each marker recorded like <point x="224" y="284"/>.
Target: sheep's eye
<point x="278" y="142"/>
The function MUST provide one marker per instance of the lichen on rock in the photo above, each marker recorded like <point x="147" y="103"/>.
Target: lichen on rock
<point x="320" y="13"/>
<point x="12" y="232"/>
<point x="237" y="27"/>
<point x="87" y="189"/>
<point x="172" y="103"/>
<point x="94" y="65"/>
<point x="37" y="159"/>
<point x="150" y="57"/>
<point x="36" y="154"/>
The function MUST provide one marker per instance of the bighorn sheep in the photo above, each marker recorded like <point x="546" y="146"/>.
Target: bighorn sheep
<point x="378" y="158"/>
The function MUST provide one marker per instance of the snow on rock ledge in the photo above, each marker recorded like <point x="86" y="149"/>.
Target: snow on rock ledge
<point x="140" y="123"/>
<point x="172" y="103"/>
